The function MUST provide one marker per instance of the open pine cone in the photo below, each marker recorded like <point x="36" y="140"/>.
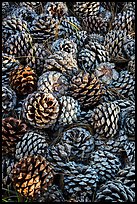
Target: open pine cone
<point x="12" y="131"/>
<point x="40" y="109"/>
<point x="32" y="174"/>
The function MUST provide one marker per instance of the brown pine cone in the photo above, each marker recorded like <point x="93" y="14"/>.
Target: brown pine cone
<point x="32" y="174"/>
<point x="86" y="88"/>
<point x="53" y="82"/>
<point x="23" y="80"/>
<point x="12" y="131"/>
<point x="40" y="109"/>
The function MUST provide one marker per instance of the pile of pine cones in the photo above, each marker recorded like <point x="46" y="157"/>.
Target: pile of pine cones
<point x="68" y="101"/>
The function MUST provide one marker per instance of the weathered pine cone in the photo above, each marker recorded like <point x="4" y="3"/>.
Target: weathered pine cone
<point x="32" y="174"/>
<point x="12" y="131"/>
<point x="23" y="80"/>
<point x="104" y="119"/>
<point x="8" y="100"/>
<point x="115" y="191"/>
<point x="62" y="62"/>
<point x="86" y="88"/>
<point x="106" y="164"/>
<point x="40" y="109"/>
<point x="53" y="82"/>
<point x="130" y="152"/>
<point x="31" y="143"/>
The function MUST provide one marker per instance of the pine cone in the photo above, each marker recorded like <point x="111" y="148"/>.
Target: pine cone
<point x="79" y="38"/>
<point x="53" y="82"/>
<point x="56" y="9"/>
<point x="106" y="72"/>
<point x="124" y="21"/>
<point x="23" y="80"/>
<point x="7" y="165"/>
<point x="80" y="142"/>
<point x="18" y="45"/>
<point x="127" y="176"/>
<point x="125" y="85"/>
<point x="120" y="46"/>
<point x="36" y="6"/>
<point x="12" y="25"/>
<point x="130" y="152"/>
<point x="62" y="62"/>
<point x="94" y="37"/>
<point x="130" y="6"/>
<point x="80" y="178"/>
<point x="115" y="191"/>
<point x="65" y="45"/>
<point x="86" y="88"/>
<point x="32" y="174"/>
<point x="9" y="63"/>
<point x="70" y="109"/>
<point x="93" y="54"/>
<point x="131" y="65"/>
<point x="31" y="143"/>
<point x="5" y="9"/>
<point x="12" y="131"/>
<point x="40" y="109"/>
<point x="104" y="119"/>
<point x="8" y="100"/>
<point x="68" y="26"/>
<point x="106" y="164"/>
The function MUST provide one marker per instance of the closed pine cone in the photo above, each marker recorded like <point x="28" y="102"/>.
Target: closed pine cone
<point x="32" y="174"/>
<point x="12" y="131"/>
<point x="40" y="109"/>
<point x="23" y="80"/>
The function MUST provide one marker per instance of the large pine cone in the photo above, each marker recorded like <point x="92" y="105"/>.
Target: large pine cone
<point x="56" y="9"/>
<point x="32" y="174"/>
<point x="86" y="88"/>
<point x="124" y="85"/>
<point x="62" y="62"/>
<point x="23" y="80"/>
<point x="93" y="54"/>
<point x="31" y="143"/>
<point x="9" y="63"/>
<point x="40" y="109"/>
<point x="80" y="178"/>
<point x="104" y="119"/>
<point x="53" y="82"/>
<point x="80" y="141"/>
<point x="8" y="100"/>
<point x="106" y="164"/>
<point x="12" y="131"/>
<point x="115" y="191"/>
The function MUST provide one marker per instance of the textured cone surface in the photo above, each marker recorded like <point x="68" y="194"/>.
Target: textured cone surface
<point x="53" y="194"/>
<point x="7" y="165"/>
<point x="130" y="151"/>
<point x="5" y="8"/>
<point x="53" y="82"/>
<point x="127" y="176"/>
<point x="23" y="80"/>
<point x="36" y="6"/>
<point x="65" y="45"/>
<point x="8" y="99"/>
<point x="9" y="63"/>
<point x="12" y="131"/>
<point x="62" y="62"/>
<point x="70" y="110"/>
<point x="68" y="26"/>
<point x="80" y="178"/>
<point x="93" y="54"/>
<point x="105" y="119"/>
<point x="80" y="142"/>
<point x="106" y="72"/>
<point x="79" y="38"/>
<point x="86" y="88"/>
<point x="40" y="109"/>
<point x="18" y="44"/>
<point x="32" y="174"/>
<point x="31" y="143"/>
<point x="56" y="9"/>
<point x="131" y="65"/>
<point x="125" y="85"/>
<point x="124" y="21"/>
<point x="115" y="191"/>
<point x="106" y="164"/>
